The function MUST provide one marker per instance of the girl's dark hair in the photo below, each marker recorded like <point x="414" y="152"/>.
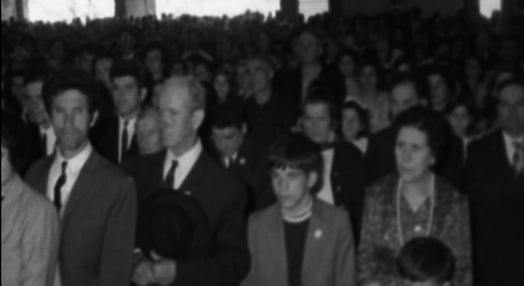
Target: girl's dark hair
<point x="296" y="151"/>
<point x="425" y="259"/>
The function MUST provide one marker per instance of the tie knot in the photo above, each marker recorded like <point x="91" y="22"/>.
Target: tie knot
<point x="64" y="166"/>
<point x="174" y="164"/>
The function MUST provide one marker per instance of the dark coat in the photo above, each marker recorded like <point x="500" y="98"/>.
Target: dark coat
<point x="105" y="138"/>
<point x="290" y="84"/>
<point x="223" y="199"/>
<point x="246" y="168"/>
<point x="98" y="223"/>
<point x="349" y="182"/>
<point x="497" y="200"/>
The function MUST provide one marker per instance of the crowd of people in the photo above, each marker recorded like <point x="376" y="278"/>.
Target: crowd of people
<point x="369" y="150"/>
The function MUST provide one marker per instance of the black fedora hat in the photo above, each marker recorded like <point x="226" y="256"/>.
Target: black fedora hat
<point x="173" y="225"/>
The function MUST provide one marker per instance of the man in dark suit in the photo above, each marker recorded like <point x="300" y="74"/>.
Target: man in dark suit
<point x="268" y="113"/>
<point x="345" y="176"/>
<point x="296" y="83"/>
<point x="235" y="150"/>
<point x="115" y="138"/>
<point x="495" y="182"/>
<point x="95" y="199"/>
<point x="380" y="156"/>
<point x="187" y="167"/>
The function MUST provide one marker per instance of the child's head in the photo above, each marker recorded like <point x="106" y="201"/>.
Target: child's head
<point x="296" y="170"/>
<point x="426" y="261"/>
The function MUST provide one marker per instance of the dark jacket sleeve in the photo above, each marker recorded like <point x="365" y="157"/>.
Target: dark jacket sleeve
<point x="229" y="261"/>
<point x="119" y="240"/>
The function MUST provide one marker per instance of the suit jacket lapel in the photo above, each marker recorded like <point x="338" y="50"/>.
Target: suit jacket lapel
<point x="113" y="137"/>
<point x="82" y="185"/>
<point x="314" y="243"/>
<point x="278" y="254"/>
<point x="43" y="177"/>
<point x="158" y="165"/>
<point x="194" y="178"/>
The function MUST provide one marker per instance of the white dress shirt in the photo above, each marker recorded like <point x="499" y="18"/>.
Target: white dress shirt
<point x="50" y="142"/>
<point x="185" y="163"/>
<point x="130" y="133"/>
<point x="229" y="160"/>
<point x="361" y="144"/>
<point x="74" y="167"/>
<point x="510" y="148"/>
<point x="326" y="192"/>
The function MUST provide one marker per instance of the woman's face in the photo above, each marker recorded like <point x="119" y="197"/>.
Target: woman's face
<point x="460" y="119"/>
<point x="413" y="154"/>
<point x="351" y="124"/>
<point x="346" y="66"/>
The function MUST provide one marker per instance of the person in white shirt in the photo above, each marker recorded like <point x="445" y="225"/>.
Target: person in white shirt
<point x="344" y="173"/>
<point x="96" y="200"/>
<point x="115" y="138"/>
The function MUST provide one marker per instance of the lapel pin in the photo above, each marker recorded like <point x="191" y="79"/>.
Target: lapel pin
<point x="242" y="161"/>
<point x="318" y="234"/>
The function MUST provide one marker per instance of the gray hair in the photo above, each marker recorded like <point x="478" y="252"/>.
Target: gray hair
<point x="196" y="92"/>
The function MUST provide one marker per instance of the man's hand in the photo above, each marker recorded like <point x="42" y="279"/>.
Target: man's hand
<point x="144" y="274"/>
<point x="164" y="270"/>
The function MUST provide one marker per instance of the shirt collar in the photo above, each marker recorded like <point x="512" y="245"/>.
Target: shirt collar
<point x="76" y="163"/>
<point x="130" y="124"/>
<point x="46" y="131"/>
<point x="188" y="159"/>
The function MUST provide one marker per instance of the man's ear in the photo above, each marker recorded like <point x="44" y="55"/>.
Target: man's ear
<point x="94" y="118"/>
<point x="312" y="179"/>
<point x="198" y="118"/>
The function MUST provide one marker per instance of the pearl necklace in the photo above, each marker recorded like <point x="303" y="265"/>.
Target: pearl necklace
<point x="431" y="212"/>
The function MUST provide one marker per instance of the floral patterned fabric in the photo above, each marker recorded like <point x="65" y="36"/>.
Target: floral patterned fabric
<point x="383" y="234"/>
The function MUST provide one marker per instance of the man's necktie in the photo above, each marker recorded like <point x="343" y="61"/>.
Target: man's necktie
<point x="169" y="181"/>
<point x="58" y="187"/>
<point x="125" y="142"/>
<point x="517" y="158"/>
<point x="43" y="143"/>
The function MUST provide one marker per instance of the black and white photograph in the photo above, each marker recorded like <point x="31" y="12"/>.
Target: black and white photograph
<point x="262" y="143"/>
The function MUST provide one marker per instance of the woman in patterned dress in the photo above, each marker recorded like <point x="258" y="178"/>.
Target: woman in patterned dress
<point x="413" y="203"/>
